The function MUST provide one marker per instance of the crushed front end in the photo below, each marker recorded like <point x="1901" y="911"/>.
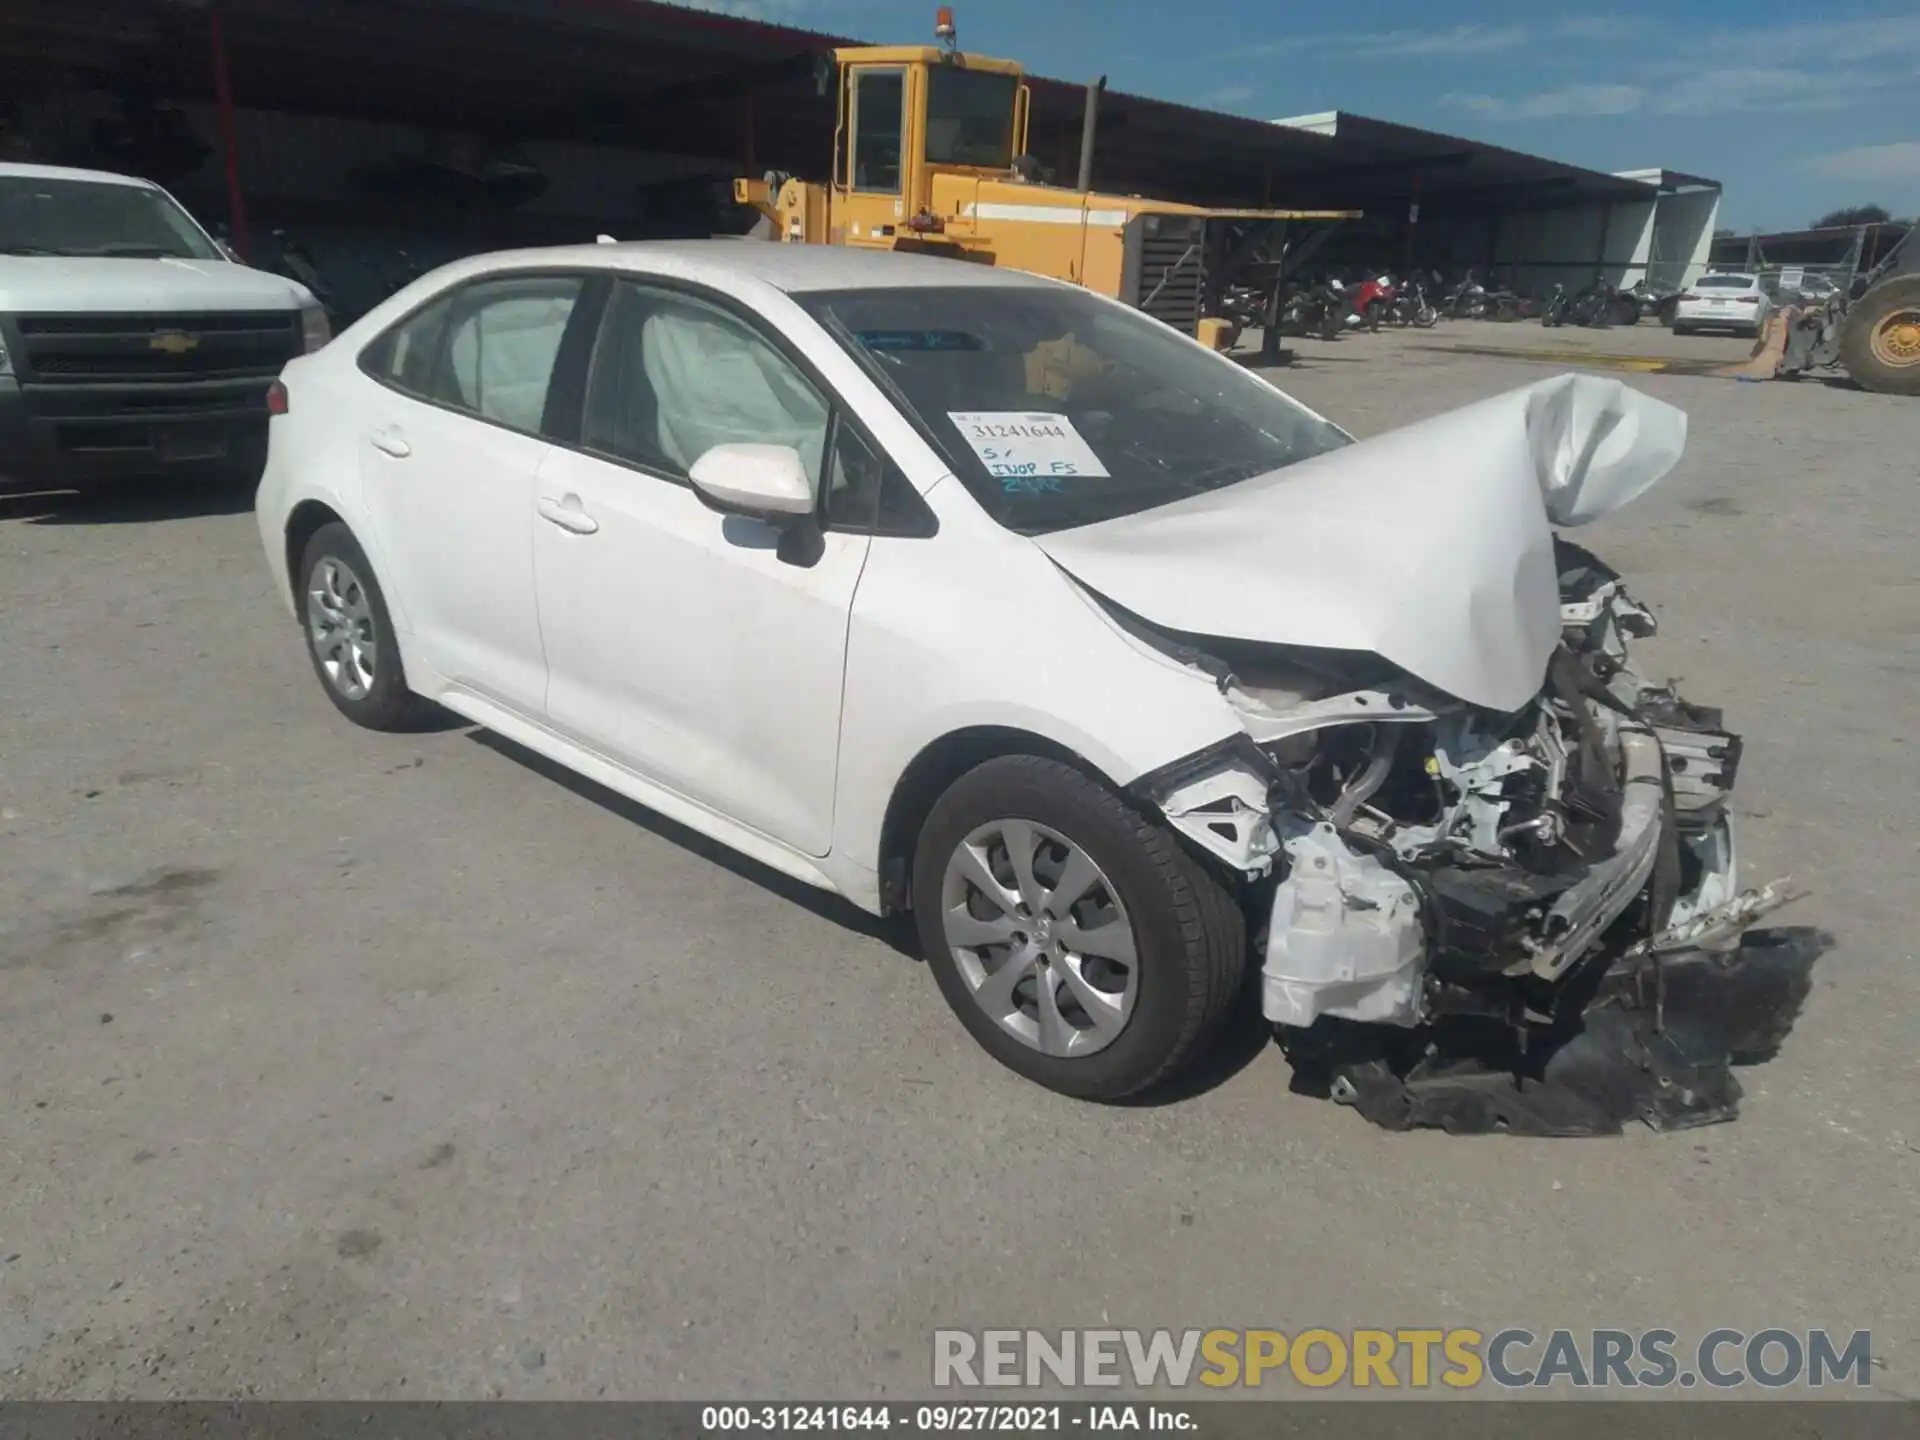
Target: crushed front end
<point x="1478" y="920"/>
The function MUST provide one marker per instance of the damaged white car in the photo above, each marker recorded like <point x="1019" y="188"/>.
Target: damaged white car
<point x="971" y="594"/>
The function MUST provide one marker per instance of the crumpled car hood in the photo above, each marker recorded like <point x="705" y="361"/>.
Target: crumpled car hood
<point x="1430" y="546"/>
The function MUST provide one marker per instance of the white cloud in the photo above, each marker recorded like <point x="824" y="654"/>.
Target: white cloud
<point x="1552" y="104"/>
<point x="1731" y="88"/>
<point x="773" y="11"/>
<point x="1460" y="40"/>
<point x="1228" y="95"/>
<point x="1897" y="161"/>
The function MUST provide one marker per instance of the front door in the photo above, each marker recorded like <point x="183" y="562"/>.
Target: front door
<point x="678" y="641"/>
<point x="872" y="202"/>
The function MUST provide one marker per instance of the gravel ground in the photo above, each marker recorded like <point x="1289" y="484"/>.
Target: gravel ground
<point x="335" y="1064"/>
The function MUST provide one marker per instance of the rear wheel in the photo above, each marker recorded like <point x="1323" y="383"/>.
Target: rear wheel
<point x="350" y="635"/>
<point x="1075" y="939"/>
<point x="1880" y="339"/>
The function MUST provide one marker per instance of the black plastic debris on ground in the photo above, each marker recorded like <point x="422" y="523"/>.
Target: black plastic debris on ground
<point x="1661" y="1054"/>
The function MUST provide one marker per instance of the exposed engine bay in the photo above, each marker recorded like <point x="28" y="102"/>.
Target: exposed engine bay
<point x="1480" y="920"/>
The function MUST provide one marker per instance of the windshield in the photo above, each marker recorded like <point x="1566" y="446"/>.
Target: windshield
<point x="969" y="117"/>
<point x="1057" y="408"/>
<point x="44" y="216"/>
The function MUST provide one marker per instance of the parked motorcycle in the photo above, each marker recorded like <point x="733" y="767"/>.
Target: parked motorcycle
<point x="1597" y="307"/>
<point x="1312" y="310"/>
<point x="1657" y="301"/>
<point x="1467" y="300"/>
<point x="1411" y="307"/>
<point x="1371" y="301"/>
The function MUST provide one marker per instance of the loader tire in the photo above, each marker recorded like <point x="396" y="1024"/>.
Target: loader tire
<point x="1880" y="341"/>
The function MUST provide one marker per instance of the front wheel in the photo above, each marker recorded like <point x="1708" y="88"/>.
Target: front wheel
<point x="1073" y="937"/>
<point x="1880" y="337"/>
<point x="350" y="635"/>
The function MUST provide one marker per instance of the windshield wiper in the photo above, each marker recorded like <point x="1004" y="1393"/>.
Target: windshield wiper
<point x="138" y="252"/>
<point x="25" y="250"/>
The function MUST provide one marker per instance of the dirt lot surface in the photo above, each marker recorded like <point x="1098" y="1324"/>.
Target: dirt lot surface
<point x="335" y="1064"/>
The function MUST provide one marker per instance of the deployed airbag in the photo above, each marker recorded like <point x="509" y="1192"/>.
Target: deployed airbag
<point x="1430" y="546"/>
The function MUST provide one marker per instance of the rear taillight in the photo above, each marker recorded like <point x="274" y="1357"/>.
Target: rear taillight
<point x="276" y="399"/>
<point x="1748" y="299"/>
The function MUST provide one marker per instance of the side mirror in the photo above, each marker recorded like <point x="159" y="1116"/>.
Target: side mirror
<point x="768" y="484"/>
<point x="764" y="482"/>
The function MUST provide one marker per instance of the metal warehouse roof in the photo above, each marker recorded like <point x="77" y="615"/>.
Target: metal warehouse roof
<point x="664" y="77"/>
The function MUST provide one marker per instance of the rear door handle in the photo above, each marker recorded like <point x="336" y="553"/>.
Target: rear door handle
<point x="568" y="515"/>
<point x="389" y="441"/>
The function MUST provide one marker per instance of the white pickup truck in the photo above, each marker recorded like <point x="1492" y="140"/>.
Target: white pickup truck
<point x="131" y="343"/>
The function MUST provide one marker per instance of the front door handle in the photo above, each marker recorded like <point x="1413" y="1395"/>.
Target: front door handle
<point x="389" y="441"/>
<point x="568" y="515"/>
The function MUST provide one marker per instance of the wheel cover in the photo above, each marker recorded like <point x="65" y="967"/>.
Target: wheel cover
<point x="340" y="628"/>
<point x="1896" y="339"/>
<point x="1041" y="938"/>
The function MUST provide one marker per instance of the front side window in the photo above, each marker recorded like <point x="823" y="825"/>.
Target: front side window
<point x="1057" y="408"/>
<point x="879" y="114"/>
<point x="40" y="216"/>
<point x="673" y="376"/>
<point x="970" y="117"/>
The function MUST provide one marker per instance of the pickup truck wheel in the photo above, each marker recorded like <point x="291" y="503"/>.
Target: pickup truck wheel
<point x="350" y="635"/>
<point x="1074" y="938"/>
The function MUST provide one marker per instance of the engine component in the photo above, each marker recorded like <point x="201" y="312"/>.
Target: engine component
<point x="1225" y="812"/>
<point x="1345" y="939"/>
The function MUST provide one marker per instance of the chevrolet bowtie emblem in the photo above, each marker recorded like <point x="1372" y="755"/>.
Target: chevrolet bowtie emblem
<point x="174" y="342"/>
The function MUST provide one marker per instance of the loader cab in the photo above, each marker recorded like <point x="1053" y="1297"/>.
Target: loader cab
<point x="908" y="114"/>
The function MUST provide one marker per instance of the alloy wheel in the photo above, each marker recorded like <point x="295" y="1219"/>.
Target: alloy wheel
<point x="1040" y="937"/>
<point x="340" y="627"/>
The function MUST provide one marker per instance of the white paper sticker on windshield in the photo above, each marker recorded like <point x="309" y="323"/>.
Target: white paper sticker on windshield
<point x="1018" y="446"/>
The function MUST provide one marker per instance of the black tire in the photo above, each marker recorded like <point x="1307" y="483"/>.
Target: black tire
<point x="1889" y="366"/>
<point x="1375" y="309"/>
<point x="387" y="703"/>
<point x="1189" y="935"/>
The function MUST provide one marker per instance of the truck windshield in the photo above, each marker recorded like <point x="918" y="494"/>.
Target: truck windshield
<point x="970" y="117"/>
<point x="1057" y="408"/>
<point x="41" y="215"/>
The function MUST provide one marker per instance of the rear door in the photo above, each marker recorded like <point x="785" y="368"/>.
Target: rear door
<point x="450" y="451"/>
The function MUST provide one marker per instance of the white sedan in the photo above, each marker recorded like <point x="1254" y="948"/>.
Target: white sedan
<point x="963" y="592"/>
<point x="1723" y="302"/>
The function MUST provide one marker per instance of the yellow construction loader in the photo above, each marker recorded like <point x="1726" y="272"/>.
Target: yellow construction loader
<point x="930" y="154"/>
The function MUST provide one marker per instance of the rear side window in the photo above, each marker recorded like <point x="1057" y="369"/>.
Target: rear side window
<point x="488" y="349"/>
<point x="502" y="341"/>
<point x="408" y="354"/>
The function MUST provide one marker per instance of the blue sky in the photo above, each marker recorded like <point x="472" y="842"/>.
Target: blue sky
<point x="1797" y="107"/>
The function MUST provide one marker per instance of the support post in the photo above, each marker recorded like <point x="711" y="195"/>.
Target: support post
<point x="229" y="136"/>
<point x="1089" y="124"/>
<point x="1413" y="224"/>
